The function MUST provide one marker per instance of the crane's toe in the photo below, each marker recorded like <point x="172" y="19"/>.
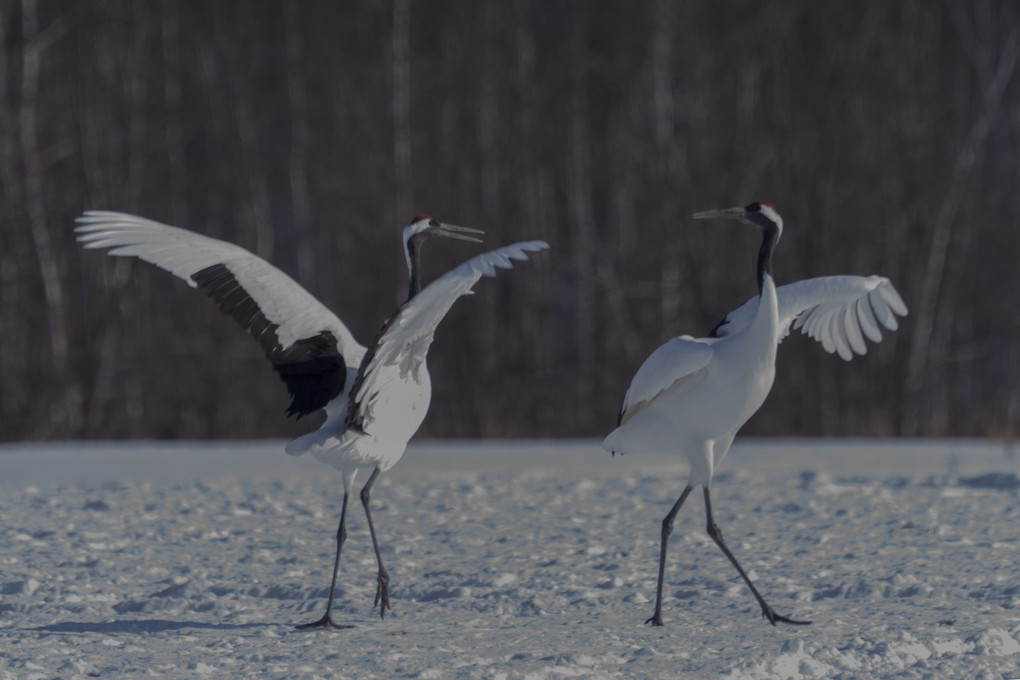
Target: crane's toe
<point x="325" y="622"/>
<point x="382" y="594"/>
<point x="773" y="618"/>
<point x="655" y="620"/>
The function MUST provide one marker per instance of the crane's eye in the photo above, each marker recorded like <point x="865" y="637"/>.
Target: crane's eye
<point x="754" y="207"/>
<point x="433" y="222"/>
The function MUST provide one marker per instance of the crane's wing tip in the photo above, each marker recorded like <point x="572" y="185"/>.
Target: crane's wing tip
<point x="892" y="296"/>
<point x="90" y="216"/>
<point x="518" y="250"/>
<point x="503" y="258"/>
<point x="88" y="221"/>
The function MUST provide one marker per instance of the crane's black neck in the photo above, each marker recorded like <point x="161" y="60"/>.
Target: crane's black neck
<point x="769" y="239"/>
<point x="414" y="264"/>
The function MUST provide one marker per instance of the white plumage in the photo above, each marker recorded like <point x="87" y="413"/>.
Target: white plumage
<point x="837" y="311"/>
<point x="376" y="398"/>
<point x="692" y="395"/>
<point x="678" y="359"/>
<point x="391" y="393"/>
<point x="184" y="253"/>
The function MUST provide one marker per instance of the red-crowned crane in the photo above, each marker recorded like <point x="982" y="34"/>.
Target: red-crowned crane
<point x="692" y="395"/>
<point x="376" y="398"/>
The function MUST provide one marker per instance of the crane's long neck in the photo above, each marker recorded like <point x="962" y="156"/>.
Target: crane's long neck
<point x="767" y="318"/>
<point x="769" y="239"/>
<point x="412" y="250"/>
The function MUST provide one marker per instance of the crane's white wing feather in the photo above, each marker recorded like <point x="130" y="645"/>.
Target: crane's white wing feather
<point x="311" y="349"/>
<point x="678" y="359"/>
<point x="405" y="338"/>
<point x="185" y="254"/>
<point x="837" y="311"/>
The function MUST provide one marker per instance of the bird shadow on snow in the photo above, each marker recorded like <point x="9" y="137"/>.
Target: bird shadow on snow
<point x="1002" y="481"/>
<point x="142" y="626"/>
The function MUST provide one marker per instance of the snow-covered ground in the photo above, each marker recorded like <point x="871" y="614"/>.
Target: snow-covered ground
<point x="530" y="560"/>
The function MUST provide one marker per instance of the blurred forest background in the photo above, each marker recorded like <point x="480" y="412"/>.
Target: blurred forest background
<point x="886" y="133"/>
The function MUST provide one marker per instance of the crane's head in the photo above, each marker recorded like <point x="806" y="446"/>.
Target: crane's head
<point x="761" y="214"/>
<point x="424" y="227"/>
<point x="421" y="229"/>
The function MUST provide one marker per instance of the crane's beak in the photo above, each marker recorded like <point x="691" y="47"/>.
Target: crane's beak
<point x="462" y="233"/>
<point x="724" y="213"/>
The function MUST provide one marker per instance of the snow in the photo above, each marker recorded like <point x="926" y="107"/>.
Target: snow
<point x="509" y="560"/>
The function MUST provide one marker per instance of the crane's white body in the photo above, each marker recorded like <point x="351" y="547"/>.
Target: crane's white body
<point x="692" y="395"/>
<point x="393" y="395"/>
<point x="401" y="408"/>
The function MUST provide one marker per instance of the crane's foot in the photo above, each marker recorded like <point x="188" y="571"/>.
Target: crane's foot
<point x="325" y="622"/>
<point x="770" y="614"/>
<point x="655" y="620"/>
<point x="382" y="594"/>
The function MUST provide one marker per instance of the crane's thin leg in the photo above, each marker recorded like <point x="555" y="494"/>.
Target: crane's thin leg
<point x="716" y="535"/>
<point x="341" y="535"/>
<point x="667" y="529"/>
<point x="382" y="591"/>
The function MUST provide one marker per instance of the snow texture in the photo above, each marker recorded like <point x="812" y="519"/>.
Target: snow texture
<point x="533" y="560"/>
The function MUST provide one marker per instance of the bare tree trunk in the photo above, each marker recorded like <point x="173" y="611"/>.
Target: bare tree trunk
<point x="619" y="310"/>
<point x="662" y="83"/>
<point x="535" y="195"/>
<point x="13" y="327"/>
<point x="298" y="96"/>
<point x="102" y="389"/>
<point x="401" y="41"/>
<point x="622" y="223"/>
<point x="488" y="126"/>
<point x="488" y="114"/>
<point x="174" y="126"/>
<point x="247" y="104"/>
<point x="666" y="164"/>
<point x="942" y="233"/>
<point x="582" y="221"/>
<point x="137" y="119"/>
<point x="10" y="270"/>
<point x="69" y="414"/>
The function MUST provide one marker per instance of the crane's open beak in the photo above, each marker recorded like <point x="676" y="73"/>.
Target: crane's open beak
<point x="724" y="213"/>
<point x="462" y="233"/>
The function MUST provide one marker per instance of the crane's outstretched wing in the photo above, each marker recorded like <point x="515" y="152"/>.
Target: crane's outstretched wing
<point x="837" y="311"/>
<point x="679" y="361"/>
<point x="308" y="345"/>
<point x="404" y="339"/>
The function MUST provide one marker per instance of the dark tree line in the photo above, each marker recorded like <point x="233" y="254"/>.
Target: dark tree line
<point x="311" y="132"/>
